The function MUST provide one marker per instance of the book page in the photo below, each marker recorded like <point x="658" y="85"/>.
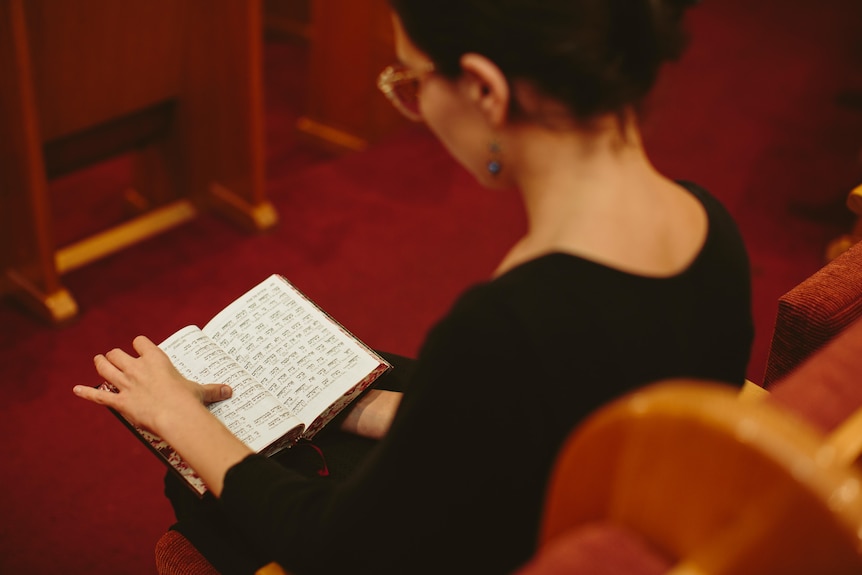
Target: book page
<point x="299" y="353"/>
<point x="252" y="413"/>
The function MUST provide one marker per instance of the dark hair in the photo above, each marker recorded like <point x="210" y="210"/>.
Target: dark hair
<point x="595" y="56"/>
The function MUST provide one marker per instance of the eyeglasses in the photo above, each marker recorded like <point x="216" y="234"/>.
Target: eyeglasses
<point x="401" y="86"/>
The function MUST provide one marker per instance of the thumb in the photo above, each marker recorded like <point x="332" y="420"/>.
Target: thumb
<point x="212" y="392"/>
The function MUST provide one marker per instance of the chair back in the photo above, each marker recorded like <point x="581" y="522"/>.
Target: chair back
<point x="814" y="312"/>
<point x="682" y="474"/>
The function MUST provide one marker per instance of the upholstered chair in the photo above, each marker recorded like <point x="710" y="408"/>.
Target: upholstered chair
<point x="685" y="477"/>
<point x="814" y="312"/>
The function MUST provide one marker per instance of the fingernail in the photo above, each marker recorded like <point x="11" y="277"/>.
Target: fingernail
<point x="225" y="391"/>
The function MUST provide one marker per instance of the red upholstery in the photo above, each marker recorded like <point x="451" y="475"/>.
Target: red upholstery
<point x="827" y="388"/>
<point x="814" y="312"/>
<point x="175" y="555"/>
<point x="601" y="549"/>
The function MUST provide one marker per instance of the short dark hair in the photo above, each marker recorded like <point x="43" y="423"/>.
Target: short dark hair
<point x="594" y="56"/>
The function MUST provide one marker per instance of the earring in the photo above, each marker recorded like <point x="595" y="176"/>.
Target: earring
<point x="494" y="165"/>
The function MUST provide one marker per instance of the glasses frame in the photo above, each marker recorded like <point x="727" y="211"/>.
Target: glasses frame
<point x="396" y="75"/>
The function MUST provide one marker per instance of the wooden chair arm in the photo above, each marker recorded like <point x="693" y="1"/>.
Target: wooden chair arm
<point x="720" y="485"/>
<point x="271" y="569"/>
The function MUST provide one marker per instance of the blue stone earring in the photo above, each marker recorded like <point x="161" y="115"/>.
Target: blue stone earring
<point x="494" y="166"/>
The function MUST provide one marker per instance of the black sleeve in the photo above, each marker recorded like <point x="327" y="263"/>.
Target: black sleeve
<point x="423" y="499"/>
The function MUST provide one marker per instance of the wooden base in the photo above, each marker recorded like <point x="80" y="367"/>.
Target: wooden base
<point x="328" y="137"/>
<point x="124" y="235"/>
<point x="56" y="307"/>
<point x="256" y="217"/>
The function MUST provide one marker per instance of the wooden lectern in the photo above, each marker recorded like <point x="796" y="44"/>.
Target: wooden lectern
<point x="351" y="42"/>
<point x="176" y="85"/>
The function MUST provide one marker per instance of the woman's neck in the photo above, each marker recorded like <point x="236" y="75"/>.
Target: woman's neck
<point x="593" y="193"/>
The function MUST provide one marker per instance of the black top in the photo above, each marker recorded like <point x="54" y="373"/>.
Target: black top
<point x="458" y="483"/>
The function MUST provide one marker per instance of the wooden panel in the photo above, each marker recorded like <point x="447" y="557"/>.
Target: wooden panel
<point x="134" y="131"/>
<point x="95" y="60"/>
<point x="288" y="18"/>
<point x="351" y="44"/>
<point x="26" y="248"/>
<point x="177" y="84"/>
<point x="223" y="79"/>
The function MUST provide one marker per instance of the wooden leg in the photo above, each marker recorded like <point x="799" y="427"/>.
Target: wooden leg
<point x="26" y="241"/>
<point x="224" y="159"/>
<point x="259" y="216"/>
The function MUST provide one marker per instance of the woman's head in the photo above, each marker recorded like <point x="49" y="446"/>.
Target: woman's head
<point x="595" y="57"/>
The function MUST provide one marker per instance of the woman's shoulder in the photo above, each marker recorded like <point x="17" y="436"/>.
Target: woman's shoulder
<point x="715" y="208"/>
<point x="723" y="234"/>
<point x="553" y="281"/>
<point x="525" y="304"/>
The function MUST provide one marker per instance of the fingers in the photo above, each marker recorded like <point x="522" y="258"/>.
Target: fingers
<point x="153" y="354"/>
<point x="133" y="378"/>
<point x="107" y="368"/>
<point x="122" y="361"/>
<point x="144" y="377"/>
<point x="118" y="358"/>
<point x="116" y="364"/>
<point x="143" y="344"/>
<point x="212" y="392"/>
<point x="96" y="395"/>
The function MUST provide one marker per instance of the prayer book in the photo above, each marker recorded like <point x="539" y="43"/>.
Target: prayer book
<point x="291" y="366"/>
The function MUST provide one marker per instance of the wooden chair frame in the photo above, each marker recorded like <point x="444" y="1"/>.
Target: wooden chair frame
<point x="176" y="84"/>
<point x="723" y="486"/>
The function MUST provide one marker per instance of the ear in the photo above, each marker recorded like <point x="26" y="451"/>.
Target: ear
<point x="487" y="87"/>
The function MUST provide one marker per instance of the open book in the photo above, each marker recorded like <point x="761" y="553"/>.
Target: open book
<point x="291" y="366"/>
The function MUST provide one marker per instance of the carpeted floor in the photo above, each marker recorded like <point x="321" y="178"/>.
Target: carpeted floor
<point x="759" y="111"/>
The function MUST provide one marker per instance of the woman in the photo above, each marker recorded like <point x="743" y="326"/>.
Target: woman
<point x="624" y="277"/>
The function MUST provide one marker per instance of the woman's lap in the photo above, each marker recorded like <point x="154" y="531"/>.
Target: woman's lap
<point x="332" y="455"/>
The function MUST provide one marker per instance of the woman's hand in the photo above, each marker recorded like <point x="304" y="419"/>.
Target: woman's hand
<point x="149" y="390"/>
<point x="152" y="394"/>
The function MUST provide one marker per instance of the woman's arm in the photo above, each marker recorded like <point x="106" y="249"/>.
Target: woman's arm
<point x="372" y="413"/>
<point x="153" y="395"/>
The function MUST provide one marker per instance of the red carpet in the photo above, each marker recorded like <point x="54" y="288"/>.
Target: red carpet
<point x="758" y="112"/>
